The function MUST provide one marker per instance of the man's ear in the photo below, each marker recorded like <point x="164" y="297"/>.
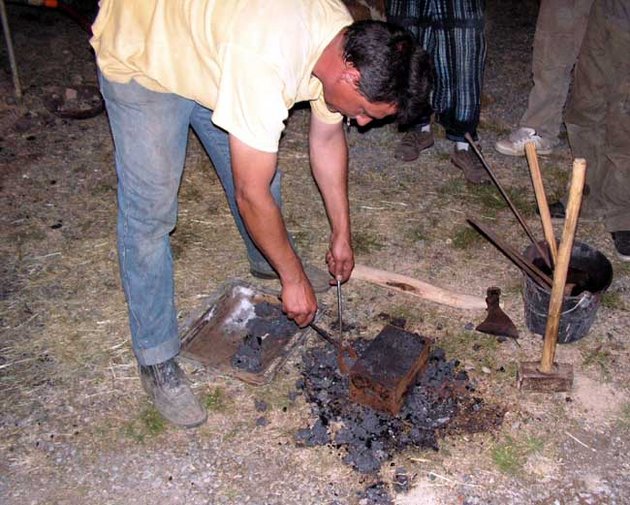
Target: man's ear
<point x="351" y="74"/>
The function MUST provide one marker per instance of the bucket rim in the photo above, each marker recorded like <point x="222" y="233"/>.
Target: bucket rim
<point x="531" y="253"/>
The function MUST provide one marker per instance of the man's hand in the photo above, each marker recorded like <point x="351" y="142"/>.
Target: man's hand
<point x="299" y="302"/>
<point x="340" y="259"/>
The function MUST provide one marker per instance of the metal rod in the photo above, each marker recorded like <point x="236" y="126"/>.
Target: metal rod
<point x="342" y="349"/>
<point x="537" y="275"/>
<point x="340" y="310"/>
<point x="505" y="196"/>
<point x="12" y="62"/>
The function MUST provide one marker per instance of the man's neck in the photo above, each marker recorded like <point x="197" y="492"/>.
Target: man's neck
<point x="330" y="64"/>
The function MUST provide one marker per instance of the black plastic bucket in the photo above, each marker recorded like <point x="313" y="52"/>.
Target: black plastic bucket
<point x="591" y="272"/>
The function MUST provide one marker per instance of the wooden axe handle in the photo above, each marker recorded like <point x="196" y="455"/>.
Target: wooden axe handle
<point x="417" y="288"/>
<point x="562" y="265"/>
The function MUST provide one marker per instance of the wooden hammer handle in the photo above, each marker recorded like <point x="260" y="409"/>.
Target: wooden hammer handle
<point x="541" y="199"/>
<point x="562" y="265"/>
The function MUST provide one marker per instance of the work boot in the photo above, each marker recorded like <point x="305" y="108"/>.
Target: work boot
<point x="167" y="386"/>
<point x="622" y="244"/>
<point x="514" y="145"/>
<point x="468" y="162"/>
<point x="412" y="144"/>
<point x="319" y="279"/>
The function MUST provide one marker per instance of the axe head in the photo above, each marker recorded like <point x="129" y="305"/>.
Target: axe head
<point x="497" y="322"/>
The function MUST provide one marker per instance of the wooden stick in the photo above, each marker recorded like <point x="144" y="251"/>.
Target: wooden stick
<point x="541" y="199"/>
<point x="562" y="266"/>
<point x="417" y="288"/>
<point x="507" y="199"/>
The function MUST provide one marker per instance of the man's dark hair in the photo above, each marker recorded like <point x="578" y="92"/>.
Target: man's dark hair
<point x="393" y="67"/>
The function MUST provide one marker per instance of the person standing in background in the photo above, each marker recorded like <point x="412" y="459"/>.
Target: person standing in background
<point x="559" y="32"/>
<point x="452" y="32"/>
<point x="598" y="118"/>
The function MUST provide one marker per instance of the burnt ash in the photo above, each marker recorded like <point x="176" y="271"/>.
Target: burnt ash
<point x="369" y="437"/>
<point x="376" y="494"/>
<point x="268" y="328"/>
<point x="249" y="354"/>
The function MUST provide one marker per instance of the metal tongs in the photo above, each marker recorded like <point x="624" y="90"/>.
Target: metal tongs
<point x="342" y="349"/>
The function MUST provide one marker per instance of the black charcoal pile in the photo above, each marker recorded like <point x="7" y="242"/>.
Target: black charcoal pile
<point x="370" y="437"/>
<point x="269" y="327"/>
<point x="249" y="354"/>
<point x="376" y="494"/>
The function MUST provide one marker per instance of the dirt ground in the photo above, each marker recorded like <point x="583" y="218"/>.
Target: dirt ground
<point x="76" y="426"/>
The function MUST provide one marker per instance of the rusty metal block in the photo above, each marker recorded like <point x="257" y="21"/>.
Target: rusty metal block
<point x="381" y="376"/>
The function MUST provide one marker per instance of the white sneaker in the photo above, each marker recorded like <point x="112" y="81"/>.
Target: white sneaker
<point x="514" y="145"/>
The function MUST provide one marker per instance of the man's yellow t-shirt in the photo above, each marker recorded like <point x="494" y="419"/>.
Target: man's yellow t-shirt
<point x="249" y="61"/>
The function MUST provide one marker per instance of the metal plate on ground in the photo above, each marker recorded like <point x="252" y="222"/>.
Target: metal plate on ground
<point x="242" y="333"/>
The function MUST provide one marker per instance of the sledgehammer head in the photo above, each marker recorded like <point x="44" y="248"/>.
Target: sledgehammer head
<point x="530" y="378"/>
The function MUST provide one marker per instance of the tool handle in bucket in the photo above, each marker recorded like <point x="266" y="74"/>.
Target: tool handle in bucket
<point x="541" y="199"/>
<point x="562" y="265"/>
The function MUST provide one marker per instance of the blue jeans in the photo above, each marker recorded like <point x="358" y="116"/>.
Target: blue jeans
<point x="150" y="132"/>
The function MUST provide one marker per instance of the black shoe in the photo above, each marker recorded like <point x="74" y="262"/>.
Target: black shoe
<point x="167" y="386"/>
<point x="556" y="210"/>
<point x="320" y="279"/>
<point x="622" y="244"/>
<point x="260" y="274"/>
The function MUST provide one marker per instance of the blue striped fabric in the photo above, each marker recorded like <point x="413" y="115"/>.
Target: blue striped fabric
<point x="452" y="31"/>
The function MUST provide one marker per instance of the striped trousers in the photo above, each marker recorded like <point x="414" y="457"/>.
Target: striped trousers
<point x="452" y="31"/>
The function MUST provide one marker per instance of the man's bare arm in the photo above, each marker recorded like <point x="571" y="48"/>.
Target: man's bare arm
<point x="329" y="162"/>
<point x="253" y="171"/>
